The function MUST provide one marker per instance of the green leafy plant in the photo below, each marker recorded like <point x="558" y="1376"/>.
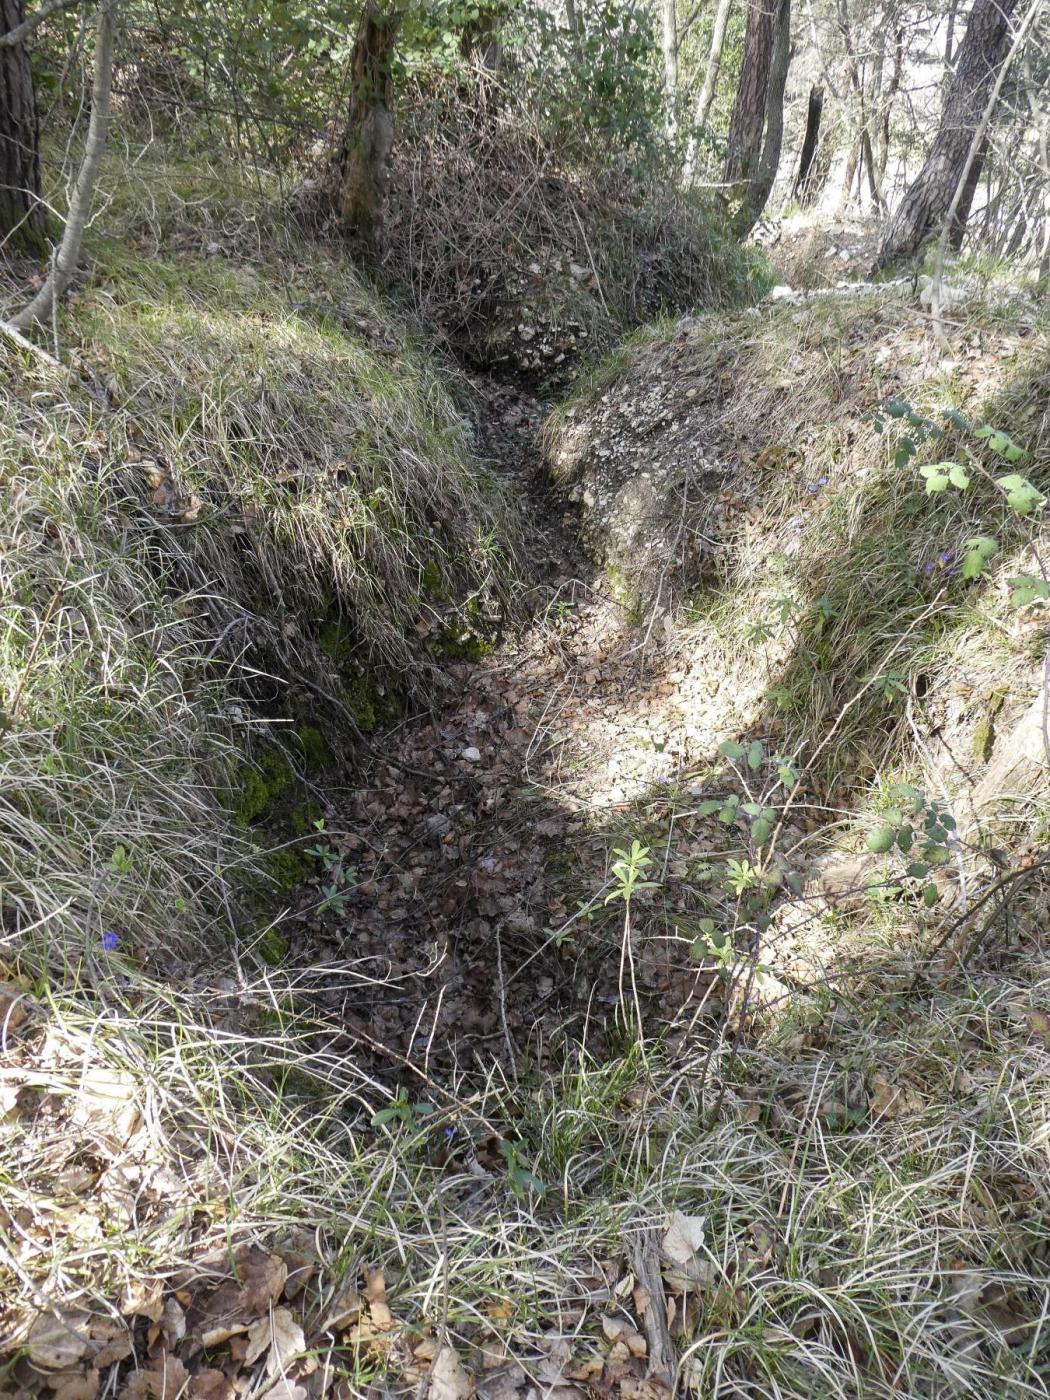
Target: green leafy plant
<point x="519" y="1178"/>
<point x="628" y="872"/>
<point x="920" y="832"/>
<point x="336" y="890"/>
<point x="401" y="1110"/>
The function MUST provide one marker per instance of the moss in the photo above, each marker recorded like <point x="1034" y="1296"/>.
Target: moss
<point x="302" y="819"/>
<point x="432" y="583"/>
<point x="984" y="734"/>
<point x="317" y="752"/>
<point x="273" y="947"/>
<point x="261" y="785"/>
<point x="287" y="867"/>
<point x="454" y="643"/>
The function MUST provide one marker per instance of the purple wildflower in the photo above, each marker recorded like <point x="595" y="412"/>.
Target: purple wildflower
<point x="110" y="941"/>
<point x="929" y="567"/>
<point x="946" y="557"/>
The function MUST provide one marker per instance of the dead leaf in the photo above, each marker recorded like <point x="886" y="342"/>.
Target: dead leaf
<point x="345" y="1311"/>
<point x="58" y="1339"/>
<point x="143" y="1298"/>
<point x="76" y="1385"/>
<point x="449" y="1379"/>
<point x="281" y="1334"/>
<point x="211" y="1385"/>
<point x="375" y="1292"/>
<point x="682" y="1269"/>
<point x="168" y="1378"/>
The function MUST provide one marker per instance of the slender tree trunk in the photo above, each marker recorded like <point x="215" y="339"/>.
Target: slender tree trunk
<point x="804" y="182"/>
<point x="761" y="183"/>
<point x="887" y="108"/>
<point x="925" y="204"/>
<point x="744" y="144"/>
<point x="363" y="161"/>
<point x="64" y="267"/>
<point x="23" y="222"/>
<point x="707" y="91"/>
<point x="949" y="38"/>
<point x="851" y="170"/>
<point x="669" y="47"/>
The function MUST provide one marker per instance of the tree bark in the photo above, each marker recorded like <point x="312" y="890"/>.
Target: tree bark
<point x="761" y="183"/>
<point x="804" y="183"/>
<point x="23" y="221"/>
<point x="926" y="203"/>
<point x="744" y="144"/>
<point x="363" y="161"/>
<point x="64" y="267"/>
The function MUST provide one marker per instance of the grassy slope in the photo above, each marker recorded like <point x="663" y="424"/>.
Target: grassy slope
<point x="881" y="1228"/>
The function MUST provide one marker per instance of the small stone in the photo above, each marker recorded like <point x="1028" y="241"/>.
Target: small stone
<point x="472" y="755"/>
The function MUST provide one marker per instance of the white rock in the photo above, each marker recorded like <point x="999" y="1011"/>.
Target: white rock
<point x="472" y="755"/>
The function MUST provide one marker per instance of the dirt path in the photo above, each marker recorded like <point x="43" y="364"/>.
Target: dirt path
<point x="477" y="832"/>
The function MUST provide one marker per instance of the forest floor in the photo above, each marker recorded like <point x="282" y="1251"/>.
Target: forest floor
<point x="475" y="840"/>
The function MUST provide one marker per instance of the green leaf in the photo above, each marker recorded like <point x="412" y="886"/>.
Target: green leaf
<point x="761" y="831"/>
<point x="936" y="477"/>
<point x="905" y="837"/>
<point x="730" y="749"/>
<point x="930" y="895"/>
<point x="881" y="839"/>
<point x="1021" y="495"/>
<point x="1026" y="589"/>
<point x="978" y="553"/>
<point x="917" y="870"/>
<point x="958" y="476"/>
<point x="755" y="755"/>
<point x="707" y="808"/>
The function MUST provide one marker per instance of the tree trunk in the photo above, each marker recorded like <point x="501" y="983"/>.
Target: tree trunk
<point x="852" y="158"/>
<point x="744" y="144"/>
<point x="955" y="238"/>
<point x="363" y="161"/>
<point x="761" y="183"/>
<point x="804" y="182"/>
<point x="23" y="221"/>
<point x="669" y="47"/>
<point x="714" y="62"/>
<point x="926" y="202"/>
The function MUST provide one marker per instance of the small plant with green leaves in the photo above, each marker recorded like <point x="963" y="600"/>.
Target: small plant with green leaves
<point x="1022" y="497"/>
<point x="713" y="942"/>
<point x="340" y="877"/>
<point x="403" y="1111"/>
<point x="628" y="872"/>
<point x="520" y="1180"/>
<point x="920" y="832"/>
